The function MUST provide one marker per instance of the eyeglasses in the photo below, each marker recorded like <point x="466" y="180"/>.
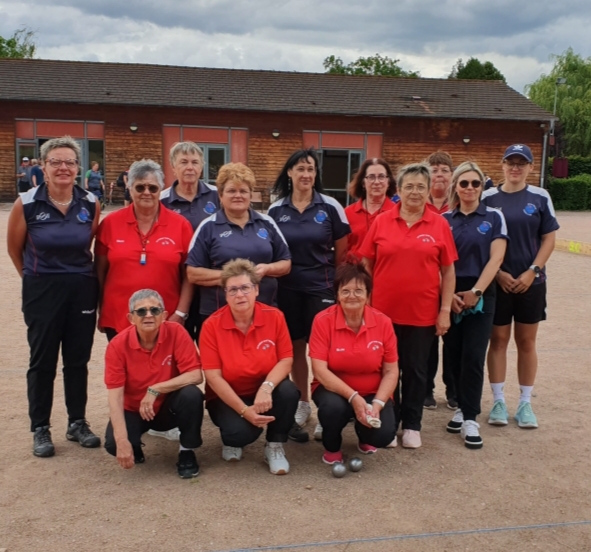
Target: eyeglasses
<point x="421" y="188"/>
<point x="141" y="188"/>
<point x="378" y="177"/>
<point x="465" y="183"/>
<point x="245" y="289"/>
<point x="70" y="163"/>
<point x="143" y="311"/>
<point x="515" y="165"/>
<point x="348" y="292"/>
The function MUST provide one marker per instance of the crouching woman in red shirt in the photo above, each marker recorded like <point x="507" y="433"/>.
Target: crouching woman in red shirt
<point x="247" y="357"/>
<point x="151" y="371"/>
<point x="354" y="360"/>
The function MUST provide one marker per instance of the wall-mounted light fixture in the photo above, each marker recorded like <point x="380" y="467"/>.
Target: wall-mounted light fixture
<point x="466" y="140"/>
<point x="133" y="127"/>
<point x="275" y="134"/>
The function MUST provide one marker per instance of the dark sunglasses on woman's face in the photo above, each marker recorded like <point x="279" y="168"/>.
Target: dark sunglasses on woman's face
<point x="465" y="183"/>
<point x="141" y="188"/>
<point x="143" y="311"/>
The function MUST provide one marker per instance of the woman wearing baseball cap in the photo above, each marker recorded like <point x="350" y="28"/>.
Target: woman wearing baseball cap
<point x="521" y="281"/>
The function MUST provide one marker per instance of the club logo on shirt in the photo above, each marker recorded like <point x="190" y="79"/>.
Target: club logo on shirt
<point x="262" y="233"/>
<point x="83" y="215"/>
<point x="42" y="216"/>
<point x="177" y="211"/>
<point x="340" y="349"/>
<point x="226" y="234"/>
<point x="426" y="238"/>
<point x="265" y="344"/>
<point x="167" y="360"/>
<point x="529" y="209"/>
<point x="375" y="345"/>
<point x="484" y="227"/>
<point x="320" y="217"/>
<point x="165" y="241"/>
<point x="329" y="301"/>
<point x="209" y="208"/>
<point x="284" y="218"/>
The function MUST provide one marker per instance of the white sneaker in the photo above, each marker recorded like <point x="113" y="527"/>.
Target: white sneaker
<point x="411" y="438"/>
<point x="394" y="443"/>
<point x="303" y="413"/>
<point x="172" y="434"/>
<point x="471" y="435"/>
<point x="318" y="432"/>
<point x="231" y="454"/>
<point x="275" y="457"/>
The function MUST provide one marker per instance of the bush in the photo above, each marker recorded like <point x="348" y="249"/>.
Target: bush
<point x="571" y="194"/>
<point x="577" y="165"/>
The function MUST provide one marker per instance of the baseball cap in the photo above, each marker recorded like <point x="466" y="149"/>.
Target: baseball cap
<point x="521" y="150"/>
<point x="25" y="158"/>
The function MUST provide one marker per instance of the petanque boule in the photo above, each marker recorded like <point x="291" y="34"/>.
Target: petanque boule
<point x="355" y="464"/>
<point x="339" y="470"/>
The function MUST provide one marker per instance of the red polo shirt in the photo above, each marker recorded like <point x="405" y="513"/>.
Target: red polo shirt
<point x="444" y="208"/>
<point x="118" y="239"/>
<point x="129" y="365"/>
<point x="245" y="359"/>
<point x="360" y="221"/>
<point x="356" y="358"/>
<point x="406" y="274"/>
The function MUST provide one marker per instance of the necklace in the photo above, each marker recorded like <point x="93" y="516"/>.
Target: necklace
<point x="59" y="202"/>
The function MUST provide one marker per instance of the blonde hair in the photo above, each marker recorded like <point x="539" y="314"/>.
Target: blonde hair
<point x="421" y="169"/>
<point x="63" y="142"/>
<point x="239" y="267"/>
<point x="463" y="168"/>
<point x="238" y="172"/>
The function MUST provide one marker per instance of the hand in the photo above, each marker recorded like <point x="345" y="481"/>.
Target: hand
<point x="443" y="323"/>
<point x="100" y="328"/>
<point x="505" y="280"/>
<point x="257" y="419"/>
<point x="263" y="402"/>
<point x="524" y="281"/>
<point x="125" y="454"/>
<point x="457" y="305"/>
<point x="261" y="269"/>
<point x="375" y="410"/>
<point x="147" y="407"/>
<point x="360" y="407"/>
<point x="176" y="318"/>
<point x="469" y="298"/>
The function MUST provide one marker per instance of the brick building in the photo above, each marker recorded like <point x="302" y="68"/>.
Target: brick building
<point x="123" y="112"/>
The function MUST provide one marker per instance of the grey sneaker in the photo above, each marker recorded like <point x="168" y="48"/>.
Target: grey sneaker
<point x="275" y="457"/>
<point x="172" y="434"/>
<point x="42" y="443"/>
<point x="303" y="413"/>
<point x="231" y="454"/>
<point x="318" y="432"/>
<point x="80" y="431"/>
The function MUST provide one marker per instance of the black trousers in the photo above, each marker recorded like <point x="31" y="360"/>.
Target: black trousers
<point x="194" y="321"/>
<point x="446" y="376"/>
<point x="59" y="311"/>
<point x="464" y="352"/>
<point x="239" y="432"/>
<point x="414" y="344"/>
<point x="182" y="408"/>
<point x="335" y="412"/>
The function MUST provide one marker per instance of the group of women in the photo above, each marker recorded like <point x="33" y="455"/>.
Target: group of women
<point x="368" y="288"/>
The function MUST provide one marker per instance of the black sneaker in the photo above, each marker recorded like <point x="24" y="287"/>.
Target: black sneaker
<point x="430" y="403"/>
<point x="455" y="424"/>
<point x="80" y="431"/>
<point x="187" y="465"/>
<point x="298" y="434"/>
<point x="452" y="404"/>
<point x="42" y="443"/>
<point x="138" y="454"/>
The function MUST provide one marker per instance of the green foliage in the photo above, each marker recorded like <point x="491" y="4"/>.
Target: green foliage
<point x="571" y="194"/>
<point x="19" y="45"/>
<point x="372" y="65"/>
<point x="475" y="69"/>
<point x="573" y="105"/>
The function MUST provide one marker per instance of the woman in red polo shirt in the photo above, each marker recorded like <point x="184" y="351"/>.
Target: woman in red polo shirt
<point x="373" y="185"/>
<point x="247" y="357"/>
<point x="411" y="252"/>
<point x="353" y="352"/>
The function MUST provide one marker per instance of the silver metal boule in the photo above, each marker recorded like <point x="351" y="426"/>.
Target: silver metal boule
<point x="355" y="464"/>
<point x="339" y="470"/>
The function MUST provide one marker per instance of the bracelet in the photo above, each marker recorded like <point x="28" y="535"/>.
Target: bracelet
<point x="269" y="383"/>
<point x="355" y="393"/>
<point x="153" y="392"/>
<point x="445" y="309"/>
<point x="381" y="403"/>
<point x="182" y="314"/>
<point x="264" y="390"/>
<point x="246" y="407"/>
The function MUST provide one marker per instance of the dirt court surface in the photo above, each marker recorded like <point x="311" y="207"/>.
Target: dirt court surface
<point x="532" y="483"/>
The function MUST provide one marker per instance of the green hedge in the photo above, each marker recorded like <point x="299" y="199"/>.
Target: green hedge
<point x="571" y="194"/>
<point x="577" y="165"/>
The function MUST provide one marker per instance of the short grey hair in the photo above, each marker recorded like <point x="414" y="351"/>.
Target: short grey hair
<point x="421" y="169"/>
<point x="63" y="142"/>
<point x="144" y="294"/>
<point x="186" y="148"/>
<point x="141" y="169"/>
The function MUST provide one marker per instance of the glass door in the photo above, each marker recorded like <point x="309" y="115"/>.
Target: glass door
<point x="337" y="168"/>
<point x="215" y="156"/>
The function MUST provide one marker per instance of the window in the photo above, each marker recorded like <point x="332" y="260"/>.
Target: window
<point x="337" y="168"/>
<point x="214" y="155"/>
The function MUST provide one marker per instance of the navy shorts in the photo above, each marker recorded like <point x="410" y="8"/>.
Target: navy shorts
<point x="300" y="308"/>
<point x="525" y="308"/>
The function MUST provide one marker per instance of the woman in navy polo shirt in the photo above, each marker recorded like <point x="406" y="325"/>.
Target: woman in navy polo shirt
<point x="50" y="230"/>
<point x="480" y="234"/>
<point x="521" y="282"/>
<point x="236" y="231"/>
<point x="315" y="227"/>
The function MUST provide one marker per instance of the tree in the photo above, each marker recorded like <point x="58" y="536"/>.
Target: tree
<point x="573" y="105"/>
<point x="372" y="65"/>
<point x="19" y="45"/>
<point x="475" y="69"/>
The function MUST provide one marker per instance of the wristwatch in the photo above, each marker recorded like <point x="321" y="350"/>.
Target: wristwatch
<point x="536" y="269"/>
<point x="477" y="292"/>
<point x="182" y="314"/>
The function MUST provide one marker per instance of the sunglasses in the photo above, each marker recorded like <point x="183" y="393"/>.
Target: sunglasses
<point x="465" y="183"/>
<point x="141" y="188"/>
<point x="143" y="311"/>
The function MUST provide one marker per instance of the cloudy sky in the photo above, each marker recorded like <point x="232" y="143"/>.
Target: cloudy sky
<point x="426" y="35"/>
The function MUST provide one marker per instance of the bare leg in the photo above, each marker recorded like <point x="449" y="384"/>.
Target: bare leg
<point x="527" y="357"/>
<point x="299" y="371"/>
<point x="497" y="353"/>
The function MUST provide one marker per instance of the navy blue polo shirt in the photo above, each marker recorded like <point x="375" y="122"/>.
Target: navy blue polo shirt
<point x="529" y="214"/>
<point x="217" y="241"/>
<point x="205" y="203"/>
<point x="37" y="171"/>
<point x="473" y="234"/>
<point x="310" y="236"/>
<point x="58" y="243"/>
